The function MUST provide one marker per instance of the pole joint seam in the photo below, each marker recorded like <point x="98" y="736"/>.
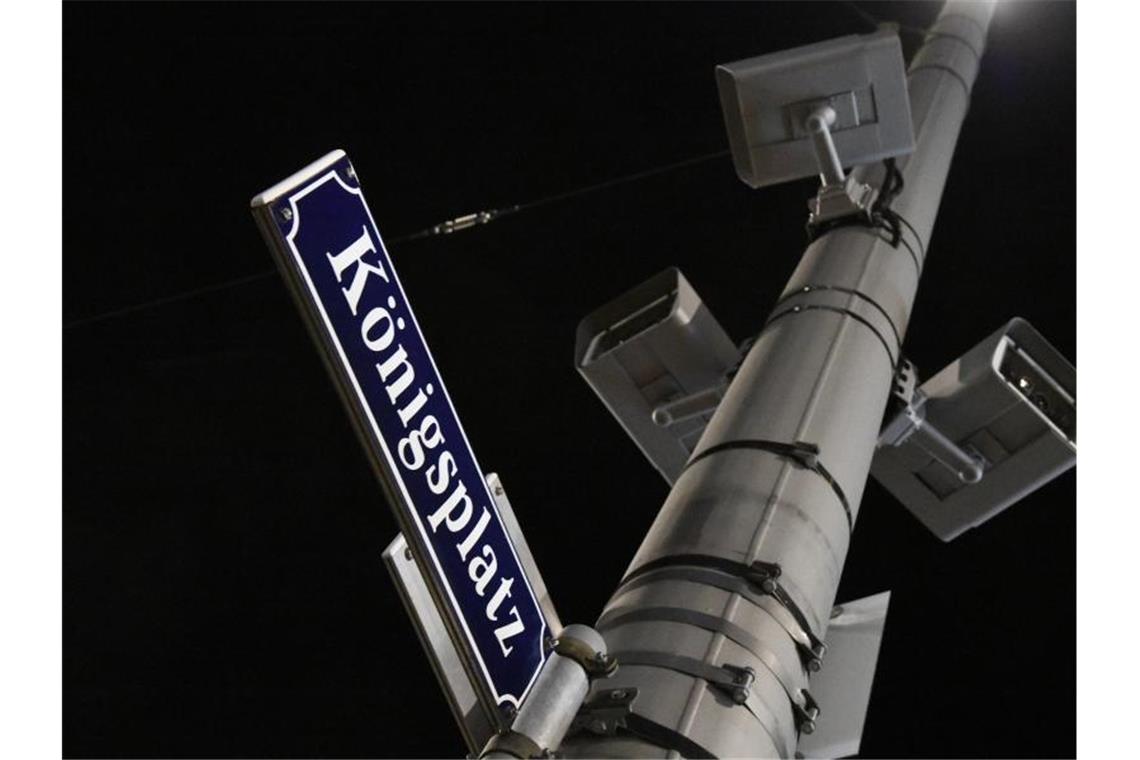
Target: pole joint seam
<point x="746" y="640"/>
<point x="942" y="67"/>
<point x="935" y="34"/>
<point x="811" y="649"/>
<point x="964" y="17"/>
<point x="806" y="455"/>
<point x="803" y="309"/>
<point x="760" y="575"/>
<point x="735" y="682"/>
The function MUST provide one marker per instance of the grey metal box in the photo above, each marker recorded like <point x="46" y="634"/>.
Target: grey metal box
<point x="654" y="344"/>
<point x="843" y="686"/>
<point x="1011" y="402"/>
<point x="766" y="99"/>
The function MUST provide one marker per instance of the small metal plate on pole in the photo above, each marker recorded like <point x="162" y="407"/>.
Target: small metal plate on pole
<point x="474" y="722"/>
<point x="328" y="249"/>
<point x="842" y="687"/>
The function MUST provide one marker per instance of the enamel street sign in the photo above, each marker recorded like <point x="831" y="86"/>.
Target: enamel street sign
<point x="329" y="250"/>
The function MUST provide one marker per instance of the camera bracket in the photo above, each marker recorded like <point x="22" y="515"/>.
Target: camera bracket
<point x="908" y="425"/>
<point x="1006" y="409"/>
<point x="839" y="195"/>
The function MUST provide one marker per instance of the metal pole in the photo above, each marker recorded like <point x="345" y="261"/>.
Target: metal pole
<point x="548" y="711"/>
<point x="717" y="622"/>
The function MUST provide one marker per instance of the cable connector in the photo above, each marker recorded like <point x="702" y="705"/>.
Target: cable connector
<point x="468" y="220"/>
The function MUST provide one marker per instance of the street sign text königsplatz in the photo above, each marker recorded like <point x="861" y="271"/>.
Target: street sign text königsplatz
<point x="329" y="250"/>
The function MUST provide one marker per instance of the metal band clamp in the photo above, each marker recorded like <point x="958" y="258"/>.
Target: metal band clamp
<point x="764" y="575"/>
<point x="804" y="454"/>
<point x="596" y="664"/>
<point x="733" y="632"/>
<point x="609" y="711"/>
<point x="810" y="648"/>
<point x="516" y="745"/>
<point x="759" y="575"/>
<point x="731" y="680"/>
<point x="803" y="705"/>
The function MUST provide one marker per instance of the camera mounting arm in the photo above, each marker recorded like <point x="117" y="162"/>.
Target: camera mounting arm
<point x="839" y="195"/>
<point x="909" y="425"/>
<point x="818" y="124"/>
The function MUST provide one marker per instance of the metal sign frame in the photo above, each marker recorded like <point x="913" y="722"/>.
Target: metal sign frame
<point x="326" y="268"/>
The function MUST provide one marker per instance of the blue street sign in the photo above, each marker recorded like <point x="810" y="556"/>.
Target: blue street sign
<point x="328" y="248"/>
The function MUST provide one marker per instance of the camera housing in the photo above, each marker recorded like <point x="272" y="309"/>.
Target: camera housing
<point x="767" y="102"/>
<point x="1010" y="404"/>
<point x="658" y="360"/>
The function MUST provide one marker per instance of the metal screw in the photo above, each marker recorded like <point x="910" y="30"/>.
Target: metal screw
<point x="286" y="214"/>
<point x="408" y="553"/>
<point x="618" y="694"/>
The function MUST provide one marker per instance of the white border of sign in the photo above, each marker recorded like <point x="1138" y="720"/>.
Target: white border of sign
<point x="268" y="197"/>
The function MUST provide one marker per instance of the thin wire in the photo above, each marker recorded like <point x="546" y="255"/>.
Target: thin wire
<point x="443" y="228"/>
<point x="460" y="223"/>
<point x="175" y="298"/>
<point x="866" y="16"/>
<point x="485" y="217"/>
<point x="876" y="23"/>
<point x="621" y="180"/>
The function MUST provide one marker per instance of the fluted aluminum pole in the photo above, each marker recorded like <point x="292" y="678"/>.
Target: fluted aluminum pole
<point x="741" y="565"/>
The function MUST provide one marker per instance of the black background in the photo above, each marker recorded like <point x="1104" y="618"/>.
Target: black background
<point x="223" y="590"/>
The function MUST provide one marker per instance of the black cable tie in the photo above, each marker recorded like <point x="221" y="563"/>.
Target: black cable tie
<point x="851" y="292"/>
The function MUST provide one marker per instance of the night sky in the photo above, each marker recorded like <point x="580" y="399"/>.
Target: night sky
<point x="223" y="588"/>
